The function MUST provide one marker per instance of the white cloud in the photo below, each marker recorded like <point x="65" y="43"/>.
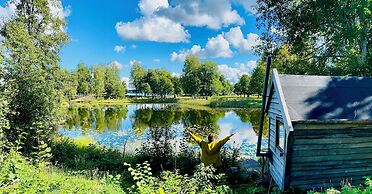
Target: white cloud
<point x="133" y="46"/>
<point x="176" y="74"/>
<point x="119" y="48"/>
<point x="211" y="13"/>
<point x="157" y="29"/>
<point x="249" y="5"/>
<point x="148" y="7"/>
<point x="116" y="64"/>
<point x="156" y="60"/>
<point x="216" y="47"/>
<point x="233" y="74"/>
<point x="58" y="10"/>
<point x="236" y="39"/>
<point x="131" y="62"/>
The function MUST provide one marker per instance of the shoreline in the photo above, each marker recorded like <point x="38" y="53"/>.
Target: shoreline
<point x="211" y="102"/>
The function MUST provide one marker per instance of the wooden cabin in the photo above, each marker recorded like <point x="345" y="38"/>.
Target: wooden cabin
<point x="320" y="130"/>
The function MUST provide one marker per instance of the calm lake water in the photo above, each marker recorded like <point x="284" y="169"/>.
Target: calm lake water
<point x="127" y="126"/>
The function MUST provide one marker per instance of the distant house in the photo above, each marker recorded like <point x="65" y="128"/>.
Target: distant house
<point x="320" y="130"/>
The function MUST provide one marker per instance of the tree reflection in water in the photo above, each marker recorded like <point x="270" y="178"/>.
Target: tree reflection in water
<point x="159" y="125"/>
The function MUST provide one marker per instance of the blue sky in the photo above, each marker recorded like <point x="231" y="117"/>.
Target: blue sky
<point x="149" y="31"/>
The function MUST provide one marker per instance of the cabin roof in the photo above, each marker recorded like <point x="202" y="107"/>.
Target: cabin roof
<point x="323" y="98"/>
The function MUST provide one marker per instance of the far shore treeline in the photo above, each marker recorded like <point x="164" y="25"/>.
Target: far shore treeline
<point x="197" y="79"/>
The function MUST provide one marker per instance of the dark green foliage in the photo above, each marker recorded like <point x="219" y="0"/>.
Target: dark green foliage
<point x="203" y="78"/>
<point x="84" y="79"/>
<point x="328" y="37"/>
<point x="190" y="79"/>
<point x="242" y="87"/>
<point x="98" y="87"/>
<point x="32" y="40"/>
<point x="114" y="88"/>
<point x="257" y="79"/>
<point x="18" y="175"/>
<point x="69" y="155"/>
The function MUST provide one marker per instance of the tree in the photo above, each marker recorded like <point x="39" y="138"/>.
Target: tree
<point x="177" y="86"/>
<point x="137" y="74"/>
<point x="69" y="84"/>
<point x="146" y="88"/>
<point x="113" y="86"/>
<point x="32" y="40"/>
<point x="189" y="78"/>
<point x="244" y="85"/>
<point x="98" y="85"/>
<point x="227" y="87"/>
<point x="84" y="79"/>
<point x="208" y="73"/>
<point x="257" y="79"/>
<point x="165" y="86"/>
<point x="238" y="89"/>
<point x="331" y="33"/>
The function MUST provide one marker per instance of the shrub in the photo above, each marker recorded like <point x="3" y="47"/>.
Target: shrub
<point x="18" y="175"/>
<point x="203" y="181"/>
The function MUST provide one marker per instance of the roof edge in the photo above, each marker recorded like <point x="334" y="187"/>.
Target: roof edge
<point x="278" y="86"/>
<point x="333" y="121"/>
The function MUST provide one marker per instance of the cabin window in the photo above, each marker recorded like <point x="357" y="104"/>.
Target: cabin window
<point x="280" y="135"/>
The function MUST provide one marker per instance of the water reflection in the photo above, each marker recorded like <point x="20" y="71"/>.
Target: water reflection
<point x="133" y="124"/>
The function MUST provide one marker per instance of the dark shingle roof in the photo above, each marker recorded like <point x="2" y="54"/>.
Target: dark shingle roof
<point x="327" y="97"/>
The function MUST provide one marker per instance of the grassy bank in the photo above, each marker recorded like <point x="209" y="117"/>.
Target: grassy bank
<point x="213" y="102"/>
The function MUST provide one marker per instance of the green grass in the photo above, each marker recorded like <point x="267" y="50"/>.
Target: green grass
<point x="213" y="102"/>
<point x="18" y="175"/>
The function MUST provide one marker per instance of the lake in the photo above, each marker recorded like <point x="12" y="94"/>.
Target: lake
<point x="126" y="127"/>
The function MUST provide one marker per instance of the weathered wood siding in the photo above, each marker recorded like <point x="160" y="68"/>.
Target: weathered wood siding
<point x="277" y="162"/>
<point x="323" y="155"/>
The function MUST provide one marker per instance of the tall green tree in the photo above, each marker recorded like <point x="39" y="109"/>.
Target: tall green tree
<point x="137" y="74"/>
<point x="84" y="79"/>
<point x="177" y="86"/>
<point x="190" y="79"/>
<point x="257" y="79"/>
<point x="334" y="33"/>
<point x="227" y="87"/>
<point x="244" y="85"/>
<point x="69" y="84"/>
<point x="208" y="75"/>
<point x="114" y="88"/>
<point x="32" y="40"/>
<point x="98" y="85"/>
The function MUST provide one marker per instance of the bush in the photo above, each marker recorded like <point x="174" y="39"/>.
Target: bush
<point x="80" y="156"/>
<point x="18" y="175"/>
<point x="204" y="180"/>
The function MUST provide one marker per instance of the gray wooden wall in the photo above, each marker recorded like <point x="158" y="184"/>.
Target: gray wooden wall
<point x="277" y="162"/>
<point x="323" y="155"/>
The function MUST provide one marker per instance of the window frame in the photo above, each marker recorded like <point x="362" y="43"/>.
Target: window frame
<point x="278" y="122"/>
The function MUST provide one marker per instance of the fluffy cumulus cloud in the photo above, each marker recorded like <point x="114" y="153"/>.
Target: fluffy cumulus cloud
<point x="236" y="38"/>
<point x="216" y="47"/>
<point x="213" y="14"/>
<point x="58" y="10"/>
<point x="119" y="48"/>
<point x="233" y="74"/>
<point x="116" y="64"/>
<point x="164" y="21"/>
<point x="220" y="46"/>
<point x="249" y="5"/>
<point x="148" y="7"/>
<point x="157" y="29"/>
